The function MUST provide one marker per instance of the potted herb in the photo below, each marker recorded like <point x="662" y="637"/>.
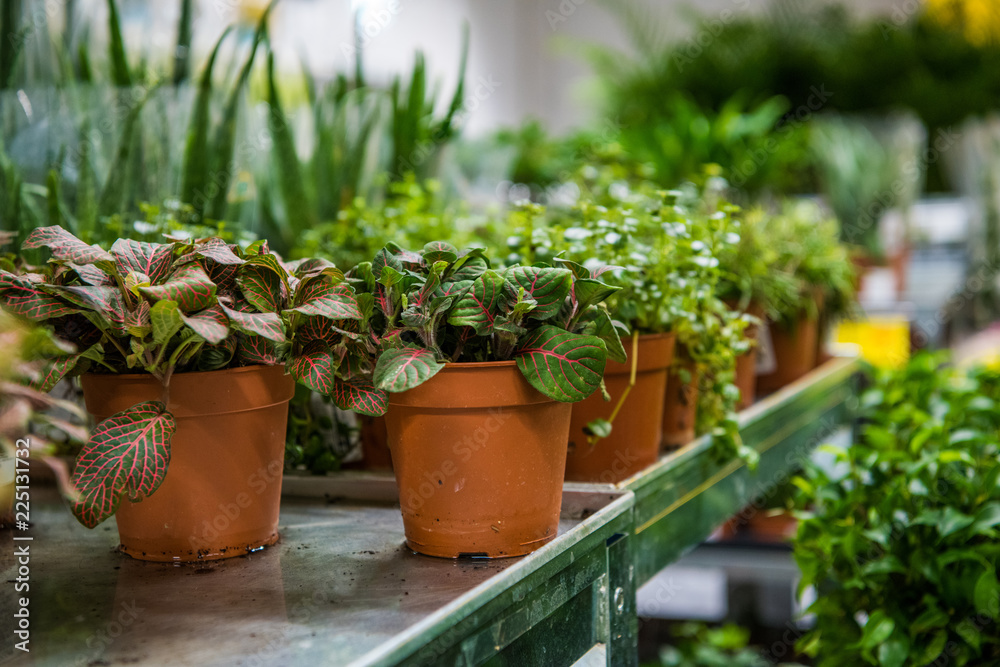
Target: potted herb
<point x="807" y="249"/>
<point x="899" y="532"/>
<point x="188" y="352"/>
<point x="480" y="366"/>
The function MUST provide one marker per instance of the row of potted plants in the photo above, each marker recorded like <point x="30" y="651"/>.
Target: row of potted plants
<point x="472" y="359"/>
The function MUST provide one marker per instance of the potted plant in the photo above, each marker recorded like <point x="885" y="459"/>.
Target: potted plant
<point x="899" y="531"/>
<point x="808" y="249"/>
<point x="480" y="366"/>
<point x="188" y="352"/>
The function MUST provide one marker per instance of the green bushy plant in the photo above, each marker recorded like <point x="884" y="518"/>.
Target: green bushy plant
<point x="899" y="536"/>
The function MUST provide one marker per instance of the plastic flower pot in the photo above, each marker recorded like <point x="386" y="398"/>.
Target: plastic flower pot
<point x="479" y="456"/>
<point x="222" y="491"/>
<point x="794" y="348"/>
<point x="746" y="363"/>
<point x="681" y="404"/>
<point x="637" y="429"/>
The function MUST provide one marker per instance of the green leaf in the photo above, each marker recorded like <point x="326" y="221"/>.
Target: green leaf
<point x="320" y="296"/>
<point x="127" y="455"/>
<point x="439" y="251"/>
<point x="986" y="595"/>
<point x="52" y="371"/>
<point x="268" y="325"/>
<point x="166" y="321"/>
<point x="218" y="251"/>
<point x="564" y="366"/>
<point x="895" y="650"/>
<point x="988" y="516"/>
<point x="933" y="649"/>
<point x="315" y="367"/>
<point x="64" y="245"/>
<point x="405" y="368"/>
<point x="548" y="287"/>
<point x="605" y="329"/>
<point x="480" y="305"/>
<point x="257" y="350"/>
<point x="360" y="396"/>
<point x="929" y="620"/>
<point x="262" y="287"/>
<point x="211" y="324"/>
<point x="878" y="629"/>
<point x="580" y="272"/>
<point x="590" y="292"/>
<point x="189" y="286"/>
<point x="600" y="428"/>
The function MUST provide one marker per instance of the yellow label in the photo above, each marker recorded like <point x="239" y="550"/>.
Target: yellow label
<point x="884" y="340"/>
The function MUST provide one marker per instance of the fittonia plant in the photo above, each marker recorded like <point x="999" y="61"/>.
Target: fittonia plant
<point x="166" y="308"/>
<point x="440" y="305"/>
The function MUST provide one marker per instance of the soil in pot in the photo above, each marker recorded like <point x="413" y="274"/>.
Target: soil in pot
<point x="681" y="405"/>
<point x="222" y="491"/>
<point x="637" y="429"/>
<point x="746" y="364"/>
<point x="479" y="456"/>
<point x="794" y="350"/>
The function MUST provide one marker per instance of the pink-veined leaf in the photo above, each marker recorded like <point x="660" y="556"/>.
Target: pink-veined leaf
<point x="262" y="285"/>
<point x="548" y="287"/>
<point x="480" y="305"/>
<point x="564" y="366"/>
<point x="257" y="350"/>
<point x="360" y="396"/>
<point x="66" y="246"/>
<point x="189" y="286"/>
<point x="211" y="324"/>
<point x="127" y="456"/>
<point x="315" y="367"/>
<point x="52" y="371"/>
<point x="439" y="251"/>
<point x="214" y="249"/>
<point x="319" y="296"/>
<point x="268" y="325"/>
<point x="28" y="299"/>
<point x="90" y="274"/>
<point x="152" y="259"/>
<point x="405" y="368"/>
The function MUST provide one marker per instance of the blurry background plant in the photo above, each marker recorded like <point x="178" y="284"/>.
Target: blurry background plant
<point x="899" y="530"/>
<point x="701" y="645"/>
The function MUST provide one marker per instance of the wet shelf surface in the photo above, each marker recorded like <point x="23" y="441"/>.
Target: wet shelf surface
<point x="339" y="584"/>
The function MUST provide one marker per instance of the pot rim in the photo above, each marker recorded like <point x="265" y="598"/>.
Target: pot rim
<point x="132" y="376"/>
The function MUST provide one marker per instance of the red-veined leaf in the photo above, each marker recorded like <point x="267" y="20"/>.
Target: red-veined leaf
<point x="480" y="305"/>
<point x="405" y="368"/>
<point x="360" y="396"/>
<point x="564" y="366"/>
<point x="211" y="324"/>
<point x="137" y="320"/>
<point x="315" y="367"/>
<point x="548" y="287"/>
<point x="189" y="286"/>
<point x="262" y="285"/>
<point x="268" y="325"/>
<point x="90" y="274"/>
<point x="66" y="246"/>
<point x="151" y="259"/>
<point x="214" y="249"/>
<point x="257" y="350"/>
<point x="53" y="371"/>
<point x="319" y="296"/>
<point x="127" y="455"/>
<point x="28" y="299"/>
<point x="439" y="251"/>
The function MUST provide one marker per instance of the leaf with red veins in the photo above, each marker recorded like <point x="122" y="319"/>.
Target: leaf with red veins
<point x="152" y="259"/>
<point x="564" y="366"/>
<point x="127" y="456"/>
<point x="315" y="367"/>
<point x="319" y="296"/>
<point x="480" y="305"/>
<point x="211" y="324"/>
<point x="268" y="325"/>
<point x="405" y="368"/>
<point x="189" y="286"/>
<point x="91" y="275"/>
<point x="214" y="249"/>
<point x="360" y="396"/>
<point x="52" y="371"/>
<point x="66" y="246"/>
<point x="256" y="350"/>
<point x="21" y="296"/>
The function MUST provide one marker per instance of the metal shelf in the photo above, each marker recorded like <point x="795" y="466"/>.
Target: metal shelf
<point x="341" y="588"/>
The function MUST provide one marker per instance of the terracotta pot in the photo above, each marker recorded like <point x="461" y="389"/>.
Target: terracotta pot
<point x="479" y="456"/>
<point x="776" y="527"/>
<point x="221" y="495"/>
<point x="746" y="364"/>
<point x="794" y="351"/>
<point x="637" y="430"/>
<point x="681" y="405"/>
